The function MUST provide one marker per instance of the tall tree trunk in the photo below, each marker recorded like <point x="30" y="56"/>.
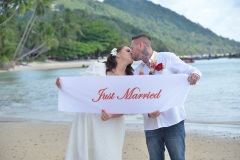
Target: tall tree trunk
<point x="23" y="36"/>
<point x="39" y="53"/>
<point x="5" y="22"/>
<point x="27" y="34"/>
<point x="30" y="52"/>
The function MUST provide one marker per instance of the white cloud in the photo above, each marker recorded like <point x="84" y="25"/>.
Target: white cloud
<point x="220" y="16"/>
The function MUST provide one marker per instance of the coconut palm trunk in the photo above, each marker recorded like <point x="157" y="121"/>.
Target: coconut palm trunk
<point x="24" y="36"/>
<point x="33" y="50"/>
<point x="38" y="11"/>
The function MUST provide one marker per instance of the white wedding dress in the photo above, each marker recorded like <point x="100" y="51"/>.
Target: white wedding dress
<point x="93" y="139"/>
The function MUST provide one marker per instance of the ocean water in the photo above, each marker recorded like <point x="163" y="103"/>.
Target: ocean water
<point x="212" y="106"/>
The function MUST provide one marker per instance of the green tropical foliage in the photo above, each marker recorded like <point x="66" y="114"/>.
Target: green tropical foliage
<point x="80" y="29"/>
<point x="9" y="8"/>
<point x="177" y="33"/>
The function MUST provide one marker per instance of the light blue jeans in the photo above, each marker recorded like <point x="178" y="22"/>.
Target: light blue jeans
<point x="172" y="137"/>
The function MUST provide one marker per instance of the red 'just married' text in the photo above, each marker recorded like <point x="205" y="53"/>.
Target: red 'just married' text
<point x="134" y="93"/>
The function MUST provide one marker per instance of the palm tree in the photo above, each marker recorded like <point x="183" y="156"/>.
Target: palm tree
<point x="7" y="45"/>
<point x="39" y="10"/>
<point x="42" y="39"/>
<point x="9" y="8"/>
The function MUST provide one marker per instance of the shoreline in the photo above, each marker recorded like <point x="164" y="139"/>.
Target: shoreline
<point x="55" y="65"/>
<point x="229" y="130"/>
<point x="24" y="140"/>
<point x="52" y="65"/>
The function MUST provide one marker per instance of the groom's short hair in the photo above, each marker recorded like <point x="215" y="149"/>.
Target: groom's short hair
<point x="140" y="36"/>
<point x="144" y="38"/>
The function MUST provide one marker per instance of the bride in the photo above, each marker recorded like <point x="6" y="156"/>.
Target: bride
<point x="100" y="136"/>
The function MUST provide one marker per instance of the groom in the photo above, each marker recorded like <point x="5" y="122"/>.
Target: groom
<point x="166" y="128"/>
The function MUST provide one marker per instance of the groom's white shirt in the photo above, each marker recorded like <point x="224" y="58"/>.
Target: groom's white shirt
<point x="172" y="65"/>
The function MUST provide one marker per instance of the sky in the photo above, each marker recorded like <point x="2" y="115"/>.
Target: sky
<point x="220" y="16"/>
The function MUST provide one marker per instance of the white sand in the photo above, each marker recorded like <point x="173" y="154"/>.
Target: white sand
<point x="48" y="141"/>
<point x="55" y="65"/>
<point x="52" y="65"/>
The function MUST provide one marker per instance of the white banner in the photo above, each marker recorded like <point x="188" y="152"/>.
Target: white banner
<point x="122" y="94"/>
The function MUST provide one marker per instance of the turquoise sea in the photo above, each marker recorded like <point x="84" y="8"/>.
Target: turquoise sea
<point x="212" y="106"/>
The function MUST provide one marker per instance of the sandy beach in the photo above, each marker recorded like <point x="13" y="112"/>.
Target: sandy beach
<point x="55" y="65"/>
<point x="52" y="65"/>
<point x="48" y="141"/>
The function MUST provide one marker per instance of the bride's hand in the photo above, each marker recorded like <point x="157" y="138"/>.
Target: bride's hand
<point x="105" y="116"/>
<point x="58" y="82"/>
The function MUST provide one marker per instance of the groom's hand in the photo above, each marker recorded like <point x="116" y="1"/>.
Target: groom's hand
<point x="193" y="78"/>
<point x="154" y="114"/>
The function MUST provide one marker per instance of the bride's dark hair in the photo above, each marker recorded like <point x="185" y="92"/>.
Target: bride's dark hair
<point x="111" y="62"/>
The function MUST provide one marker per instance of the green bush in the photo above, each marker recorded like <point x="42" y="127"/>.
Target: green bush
<point x="4" y="59"/>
